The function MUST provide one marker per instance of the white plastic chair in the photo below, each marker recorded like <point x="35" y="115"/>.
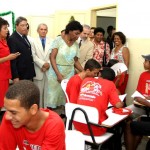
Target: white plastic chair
<point x="75" y="112"/>
<point x="63" y="86"/>
<point x="74" y="140"/>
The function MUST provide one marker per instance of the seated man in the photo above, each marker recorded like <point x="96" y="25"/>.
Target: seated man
<point x="108" y="73"/>
<point x="131" y="142"/>
<point x="139" y="128"/>
<point x="25" y="125"/>
<point x="91" y="69"/>
<point x="97" y="93"/>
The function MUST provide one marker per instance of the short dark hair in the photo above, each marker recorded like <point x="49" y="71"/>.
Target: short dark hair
<point x="73" y="25"/>
<point x="26" y="92"/>
<point x="109" y="29"/>
<point x="108" y="73"/>
<point x="20" y="19"/>
<point x="92" y="64"/>
<point x="3" y="22"/>
<point x="121" y="35"/>
<point x="93" y="27"/>
<point x="112" y="62"/>
<point x="99" y="29"/>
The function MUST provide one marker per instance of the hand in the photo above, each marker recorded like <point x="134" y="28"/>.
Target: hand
<point x="15" y="80"/>
<point x="46" y="66"/>
<point x="43" y="69"/>
<point x="118" y="74"/>
<point x="60" y="77"/>
<point x="13" y="56"/>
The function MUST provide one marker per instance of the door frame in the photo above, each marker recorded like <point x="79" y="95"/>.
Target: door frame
<point x="94" y="15"/>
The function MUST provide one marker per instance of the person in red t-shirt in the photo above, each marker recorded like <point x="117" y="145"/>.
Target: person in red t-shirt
<point x="26" y="126"/>
<point x="97" y="92"/>
<point x="121" y="78"/>
<point x="136" y="129"/>
<point x="91" y="69"/>
<point x="144" y="81"/>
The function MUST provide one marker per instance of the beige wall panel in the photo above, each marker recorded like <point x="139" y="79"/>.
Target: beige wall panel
<point x="62" y="19"/>
<point x="34" y="21"/>
<point x="137" y="48"/>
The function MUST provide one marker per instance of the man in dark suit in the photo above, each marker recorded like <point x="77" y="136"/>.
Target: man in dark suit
<point x="23" y="66"/>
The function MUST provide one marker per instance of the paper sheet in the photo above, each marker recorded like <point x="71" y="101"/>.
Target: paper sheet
<point x="119" y="66"/>
<point x="137" y="94"/>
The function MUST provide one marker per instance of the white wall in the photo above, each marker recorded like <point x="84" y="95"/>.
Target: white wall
<point x="47" y="7"/>
<point x="134" y="18"/>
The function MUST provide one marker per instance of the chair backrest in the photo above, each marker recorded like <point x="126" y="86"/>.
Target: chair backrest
<point x="74" y="140"/>
<point x="63" y="86"/>
<point x="91" y="112"/>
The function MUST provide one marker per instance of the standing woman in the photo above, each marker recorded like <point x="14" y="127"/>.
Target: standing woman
<point x="63" y="57"/>
<point x="5" y="57"/>
<point x="121" y="53"/>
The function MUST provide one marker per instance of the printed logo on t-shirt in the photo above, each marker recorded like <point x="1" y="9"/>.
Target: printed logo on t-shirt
<point x="90" y="90"/>
<point x="27" y="146"/>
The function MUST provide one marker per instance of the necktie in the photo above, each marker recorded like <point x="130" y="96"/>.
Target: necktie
<point x="80" y="43"/>
<point x="25" y="39"/>
<point x="43" y="43"/>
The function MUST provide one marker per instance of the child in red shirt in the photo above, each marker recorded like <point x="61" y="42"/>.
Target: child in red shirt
<point x="91" y="69"/>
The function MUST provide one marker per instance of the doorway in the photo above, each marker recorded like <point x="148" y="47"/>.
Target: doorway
<point x="104" y="16"/>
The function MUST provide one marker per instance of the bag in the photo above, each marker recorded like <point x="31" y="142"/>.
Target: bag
<point x="104" y="64"/>
<point x="121" y="112"/>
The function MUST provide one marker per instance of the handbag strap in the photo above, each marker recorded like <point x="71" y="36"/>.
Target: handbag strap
<point x="104" y="56"/>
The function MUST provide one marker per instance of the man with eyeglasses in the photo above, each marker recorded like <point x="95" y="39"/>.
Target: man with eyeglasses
<point x="23" y="67"/>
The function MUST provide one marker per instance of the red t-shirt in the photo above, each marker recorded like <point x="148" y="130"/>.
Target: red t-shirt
<point x="96" y="93"/>
<point x="50" y="136"/>
<point x="144" y="84"/>
<point x="73" y="88"/>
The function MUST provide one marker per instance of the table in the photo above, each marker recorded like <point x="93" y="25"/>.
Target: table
<point x="113" y="118"/>
<point x="114" y="123"/>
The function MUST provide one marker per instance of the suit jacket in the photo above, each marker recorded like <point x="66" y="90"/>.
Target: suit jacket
<point x="40" y="56"/>
<point x="23" y="66"/>
<point x="86" y="52"/>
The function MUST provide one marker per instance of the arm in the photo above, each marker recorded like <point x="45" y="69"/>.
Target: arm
<point x="89" y="53"/>
<point x="142" y="101"/>
<point x="13" y="49"/>
<point x="107" y="52"/>
<point x="39" y="62"/>
<point x="77" y="64"/>
<point x="117" y="78"/>
<point x="53" y="63"/>
<point x="113" y="96"/>
<point x="9" y="57"/>
<point x="126" y="56"/>
<point x="44" y="66"/>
